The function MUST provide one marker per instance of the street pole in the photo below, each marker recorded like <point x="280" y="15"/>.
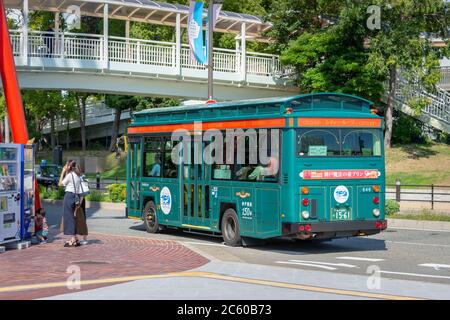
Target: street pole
<point x="210" y="50"/>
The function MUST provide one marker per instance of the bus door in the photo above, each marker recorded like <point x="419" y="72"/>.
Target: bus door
<point x="134" y="174"/>
<point x="195" y="190"/>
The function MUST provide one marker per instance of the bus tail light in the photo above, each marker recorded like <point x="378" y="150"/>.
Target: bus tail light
<point x="376" y="200"/>
<point x="376" y="188"/>
<point x="304" y="227"/>
<point x="378" y="225"/>
<point x="305" y="190"/>
<point x="305" y="202"/>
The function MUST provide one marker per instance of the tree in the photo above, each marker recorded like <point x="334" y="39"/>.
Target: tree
<point x="404" y="42"/>
<point x="119" y="104"/>
<point x="68" y="112"/>
<point x="342" y="54"/>
<point x="42" y="106"/>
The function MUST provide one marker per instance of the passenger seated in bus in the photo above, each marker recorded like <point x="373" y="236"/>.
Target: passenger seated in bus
<point x="156" y="168"/>
<point x="261" y="172"/>
<point x="242" y="173"/>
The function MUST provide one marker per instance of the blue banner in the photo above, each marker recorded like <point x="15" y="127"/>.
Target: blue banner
<point x="195" y="31"/>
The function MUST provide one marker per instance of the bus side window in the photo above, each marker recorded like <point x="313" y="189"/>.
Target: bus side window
<point x="170" y="169"/>
<point x="152" y="165"/>
<point x="153" y="157"/>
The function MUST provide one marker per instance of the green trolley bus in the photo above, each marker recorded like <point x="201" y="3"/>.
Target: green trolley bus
<point x="207" y="168"/>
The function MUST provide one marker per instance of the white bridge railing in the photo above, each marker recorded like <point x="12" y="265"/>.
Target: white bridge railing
<point x="439" y="101"/>
<point x="445" y="78"/>
<point x="140" y="53"/>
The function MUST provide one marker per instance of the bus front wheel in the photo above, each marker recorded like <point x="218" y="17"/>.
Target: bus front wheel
<point x="231" y="232"/>
<point x="150" y="219"/>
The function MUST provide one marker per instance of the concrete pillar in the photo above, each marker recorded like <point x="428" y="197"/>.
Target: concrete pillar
<point x="24" y="47"/>
<point x="244" y="52"/>
<point x="127" y="36"/>
<point x="105" y="35"/>
<point x="178" y="44"/>
<point x="7" y="136"/>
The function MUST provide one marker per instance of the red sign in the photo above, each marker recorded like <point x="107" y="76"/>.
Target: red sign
<point x="340" y="174"/>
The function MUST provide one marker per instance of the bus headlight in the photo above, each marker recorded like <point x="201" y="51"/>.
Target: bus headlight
<point x="376" y="212"/>
<point x="305" y="214"/>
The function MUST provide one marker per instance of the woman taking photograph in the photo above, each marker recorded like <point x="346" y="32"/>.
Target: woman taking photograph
<point x="72" y="182"/>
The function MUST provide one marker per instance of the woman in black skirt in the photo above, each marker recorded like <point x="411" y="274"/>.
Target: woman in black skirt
<point x="71" y="181"/>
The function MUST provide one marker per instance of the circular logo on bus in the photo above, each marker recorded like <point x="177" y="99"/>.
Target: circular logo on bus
<point x="165" y="199"/>
<point x="341" y="194"/>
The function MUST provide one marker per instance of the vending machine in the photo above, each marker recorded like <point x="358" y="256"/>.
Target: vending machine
<point x="16" y="192"/>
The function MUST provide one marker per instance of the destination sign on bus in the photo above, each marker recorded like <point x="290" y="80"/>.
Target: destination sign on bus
<point x="339" y="174"/>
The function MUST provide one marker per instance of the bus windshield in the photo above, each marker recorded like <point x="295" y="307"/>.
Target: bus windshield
<point x="324" y="142"/>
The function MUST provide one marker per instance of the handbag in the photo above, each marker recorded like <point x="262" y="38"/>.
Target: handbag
<point x="80" y="222"/>
<point x="84" y="187"/>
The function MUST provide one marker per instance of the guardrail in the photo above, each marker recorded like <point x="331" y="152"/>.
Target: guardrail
<point x="418" y="193"/>
<point x="80" y="46"/>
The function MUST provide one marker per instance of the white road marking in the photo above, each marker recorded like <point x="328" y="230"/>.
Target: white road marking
<point x="435" y="266"/>
<point x="205" y="244"/>
<point x="417" y="229"/>
<point x="414" y="274"/>
<point x="360" y="259"/>
<point x="419" y="244"/>
<point x="307" y="265"/>
<point x="327" y="263"/>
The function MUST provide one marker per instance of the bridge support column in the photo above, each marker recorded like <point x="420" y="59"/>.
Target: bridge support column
<point x="243" y="52"/>
<point x="105" y="36"/>
<point x="24" y="46"/>
<point x="178" y="45"/>
<point x="127" y="36"/>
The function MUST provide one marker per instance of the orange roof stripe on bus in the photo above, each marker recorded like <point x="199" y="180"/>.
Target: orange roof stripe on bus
<point x="235" y="124"/>
<point x="339" y="122"/>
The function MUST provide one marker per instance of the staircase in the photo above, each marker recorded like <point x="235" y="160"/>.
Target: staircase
<point x="437" y="113"/>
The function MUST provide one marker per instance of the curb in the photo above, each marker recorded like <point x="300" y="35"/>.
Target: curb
<point x="419" y="224"/>
<point x="91" y="204"/>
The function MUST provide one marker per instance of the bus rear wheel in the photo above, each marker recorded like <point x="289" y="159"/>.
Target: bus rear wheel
<point x="149" y="217"/>
<point x="231" y="232"/>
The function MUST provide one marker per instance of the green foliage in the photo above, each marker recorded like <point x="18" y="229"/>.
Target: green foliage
<point x="391" y="207"/>
<point x="153" y="102"/>
<point x="97" y="196"/>
<point x="407" y="130"/>
<point x="330" y="47"/>
<point x="117" y="192"/>
<point x="56" y="193"/>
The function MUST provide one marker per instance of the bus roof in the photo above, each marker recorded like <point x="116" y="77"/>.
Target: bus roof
<point x="322" y="97"/>
<point x="329" y="101"/>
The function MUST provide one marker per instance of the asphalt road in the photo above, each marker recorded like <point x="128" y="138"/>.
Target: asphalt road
<point x="397" y="254"/>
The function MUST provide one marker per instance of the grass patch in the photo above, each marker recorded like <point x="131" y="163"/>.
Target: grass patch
<point x="424" y="215"/>
<point x="417" y="164"/>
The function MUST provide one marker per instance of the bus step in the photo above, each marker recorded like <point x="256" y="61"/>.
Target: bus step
<point x="205" y="233"/>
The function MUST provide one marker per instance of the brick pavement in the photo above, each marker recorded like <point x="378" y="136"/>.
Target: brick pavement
<point x="107" y="256"/>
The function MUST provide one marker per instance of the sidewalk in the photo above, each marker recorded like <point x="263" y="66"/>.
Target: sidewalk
<point x="106" y="256"/>
<point x="418" y="224"/>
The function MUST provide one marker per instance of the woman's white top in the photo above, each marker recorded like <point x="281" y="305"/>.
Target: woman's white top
<point x="68" y="183"/>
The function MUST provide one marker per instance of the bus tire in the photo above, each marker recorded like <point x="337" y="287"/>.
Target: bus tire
<point x="231" y="231"/>
<point x="150" y="218"/>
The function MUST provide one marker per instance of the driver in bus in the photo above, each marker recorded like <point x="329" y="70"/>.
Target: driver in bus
<point x="156" y="169"/>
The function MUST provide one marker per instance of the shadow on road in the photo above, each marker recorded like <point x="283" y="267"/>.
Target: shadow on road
<point x="283" y="245"/>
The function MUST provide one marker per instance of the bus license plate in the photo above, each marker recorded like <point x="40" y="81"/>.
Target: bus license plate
<point x="341" y="214"/>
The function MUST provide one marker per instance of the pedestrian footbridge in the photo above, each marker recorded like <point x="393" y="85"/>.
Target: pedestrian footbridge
<point x="71" y="61"/>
